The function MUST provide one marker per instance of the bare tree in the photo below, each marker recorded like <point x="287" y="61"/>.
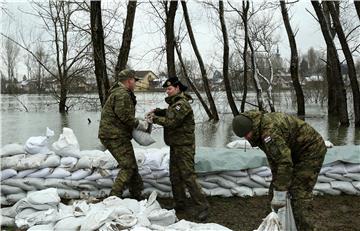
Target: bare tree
<point x="229" y="95"/>
<point x="127" y="37"/>
<point x="244" y="16"/>
<point x="9" y="58"/>
<point x="213" y="113"/>
<point x="357" y="7"/>
<point x="335" y="65"/>
<point x="97" y="37"/>
<point x="349" y="60"/>
<point x="294" y="61"/>
<point x="170" y="38"/>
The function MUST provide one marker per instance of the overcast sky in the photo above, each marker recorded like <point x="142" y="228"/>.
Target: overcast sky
<point x="146" y="36"/>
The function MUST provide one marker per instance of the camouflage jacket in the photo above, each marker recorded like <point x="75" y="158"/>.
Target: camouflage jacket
<point x="177" y="120"/>
<point x="286" y="140"/>
<point x="118" y="114"/>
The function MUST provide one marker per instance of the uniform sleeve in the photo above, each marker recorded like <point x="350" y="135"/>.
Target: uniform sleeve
<point x="125" y="110"/>
<point x="279" y="154"/>
<point x="174" y="115"/>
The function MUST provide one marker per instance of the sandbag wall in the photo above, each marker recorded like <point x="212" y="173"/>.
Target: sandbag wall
<point x="91" y="173"/>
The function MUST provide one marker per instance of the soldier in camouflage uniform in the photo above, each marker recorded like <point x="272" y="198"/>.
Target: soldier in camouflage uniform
<point x="295" y="152"/>
<point x="116" y="125"/>
<point x="179" y="127"/>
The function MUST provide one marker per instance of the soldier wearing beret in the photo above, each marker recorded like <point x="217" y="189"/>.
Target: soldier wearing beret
<point x="295" y="152"/>
<point x="116" y="125"/>
<point x="179" y="127"/>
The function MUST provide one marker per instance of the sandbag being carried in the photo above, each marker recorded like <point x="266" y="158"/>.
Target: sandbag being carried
<point x="142" y="138"/>
<point x="270" y="223"/>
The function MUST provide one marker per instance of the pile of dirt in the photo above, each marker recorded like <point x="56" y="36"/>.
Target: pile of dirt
<point x="246" y="214"/>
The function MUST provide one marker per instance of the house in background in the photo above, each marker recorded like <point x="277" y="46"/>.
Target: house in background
<point x="147" y="80"/>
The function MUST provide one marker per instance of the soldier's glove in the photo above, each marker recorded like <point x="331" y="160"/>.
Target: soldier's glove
<point x="279" y="200"/>
<point x="143" y="125"/>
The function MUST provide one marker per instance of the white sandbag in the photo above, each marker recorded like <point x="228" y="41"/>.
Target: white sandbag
<point x="58" y="183"/>
<point x="207" y="185"/>
<point x="37" y="182"/>
<point x="244" y="144"/>
<point x="324" y="170"/>
<point x="264" y="173"/>
<point x="326" y="188"/>
<point x="144" y="170"/>
<point x="353" y="176"/>
<point x="31" y="161"/>
<point x="242" y="191"/>
<point x="162" y="217"/>
<point x="3" y="200"/>
<point x="30" y="217"/>
<point x="164" y="180"/>
<point x="157" y="174"/>
<point x="154" y="159"/>
<point x="260" y="180"/>
<point x="218" y="192"/>
<point x="356" y="184"/>
<point x="338" y="168"/>
<point x="13" y="198"/>
<point x="58" y="173"/>
<point x="68" y="193"/>
<point x="105" y="182"/>
<point x="47" y="196"/>
<point x="286" y="217"/>
<point x="42" y="227"/>
<point x="105" y="161"/>
<point x="243" y="181"/>
<point x="19" y="183"/>
<point x="67" y="144"/>
<point x="69" y="224"/>
<point x="11" y="161"/>
<point x="37" y="144"/>
<point x="337" y="176"/>
<point x="84" y="162"/>
<point x="40" y="173"/>
<point x="80" y="208"/>
<point x="237" y="173"/>
<point x="148" y="191"/>
<point x="352" y="168"/>
<point x="161" y="187"/>
<point x="142" y="138"/>
<point x="140" y="158"/>
<point x="24" y="173"/>
<point x="7" y="221"/>
<point x="270" y="223"/>
<point x="324" y="179"/>
<point x="79" y="174"/>
<point x="7" y="189"/>
<point x="93" y="153"/>
<point x="99" y="174"/>
<point x="12" y="149"/>
<point x="258" y="169"/>
<point x="345" y="187"/>
<point x="188" y="225"/>
<point x="165" y="163"/>
<point x="68" y="161"/>
<point x="7" y="173"/>
<point x="224" y="183"/>
<point x="260" y="191"/>
<point x="96" y="217"/>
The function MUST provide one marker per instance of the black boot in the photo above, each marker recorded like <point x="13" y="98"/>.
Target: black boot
<point x="202" y="213"/>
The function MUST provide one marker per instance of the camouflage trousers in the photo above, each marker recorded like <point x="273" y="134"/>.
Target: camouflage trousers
<point x="183" y="176"/>
<point x="305" y="172"/>
<point x="128" y="176"/>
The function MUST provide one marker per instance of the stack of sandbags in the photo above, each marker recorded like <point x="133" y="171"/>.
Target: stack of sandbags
<point x="42" y="210"/>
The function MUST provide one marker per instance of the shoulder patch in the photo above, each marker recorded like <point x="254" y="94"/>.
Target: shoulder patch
<point x="177" y="108"/>
<point x="267" y="139"/>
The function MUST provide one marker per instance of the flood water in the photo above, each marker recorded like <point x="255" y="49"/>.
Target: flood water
<point x="24" y="116"/>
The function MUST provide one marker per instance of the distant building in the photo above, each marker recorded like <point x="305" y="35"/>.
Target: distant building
<point x="147" y="80"/>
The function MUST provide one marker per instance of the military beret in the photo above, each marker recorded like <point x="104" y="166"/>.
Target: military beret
<point x="126" y="74"/>
<point x="174" y="81"/>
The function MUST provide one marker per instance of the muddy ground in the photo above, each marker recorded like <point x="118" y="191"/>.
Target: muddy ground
<point x="340" y="213"/>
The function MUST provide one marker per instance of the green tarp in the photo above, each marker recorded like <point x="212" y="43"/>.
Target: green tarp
<point x="223" y="159"/>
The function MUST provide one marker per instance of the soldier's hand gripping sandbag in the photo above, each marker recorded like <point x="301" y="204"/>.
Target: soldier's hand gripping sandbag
<point x="279" y="200"/>
<point x="143" y="125"/>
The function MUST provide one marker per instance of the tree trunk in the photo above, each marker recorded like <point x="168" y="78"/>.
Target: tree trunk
<point x="357" y="7"/>
<point x="97" y="37"/>
<point x="255" y="78"/>
<point x="335" y="64"/>
<point x="294" y="62"/>
<point x="63" y="97"/>
<point x="126" y="37"/>
<point x="193" y="87"/>
<point x="214" y="114"/>
<point x="245" y="6"/>
<point x="229" y="95"/>
<point x="349" y="59"/>
<point x="170" y="38"/>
